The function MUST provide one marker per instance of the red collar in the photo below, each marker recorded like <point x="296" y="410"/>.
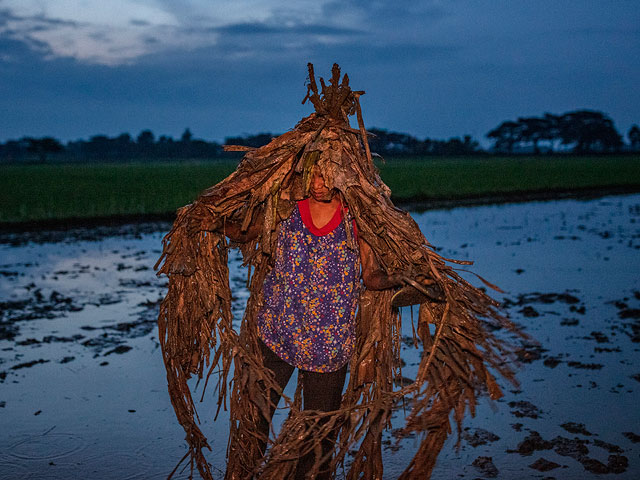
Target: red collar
<point x="305" y="214"/>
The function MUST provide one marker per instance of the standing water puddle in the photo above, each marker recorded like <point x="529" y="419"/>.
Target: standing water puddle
<point x="83" y="390"/>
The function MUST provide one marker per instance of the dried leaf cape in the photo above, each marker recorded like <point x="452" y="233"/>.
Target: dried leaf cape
<point x="461" y="354"/>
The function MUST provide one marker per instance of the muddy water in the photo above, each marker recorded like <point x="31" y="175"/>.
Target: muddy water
<point x="82" y="385"/>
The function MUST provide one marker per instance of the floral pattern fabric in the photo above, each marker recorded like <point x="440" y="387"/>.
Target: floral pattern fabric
<point x="311" y="294"/>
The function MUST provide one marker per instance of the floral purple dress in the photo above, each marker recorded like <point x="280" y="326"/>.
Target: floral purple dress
<point x="311" y="294"/>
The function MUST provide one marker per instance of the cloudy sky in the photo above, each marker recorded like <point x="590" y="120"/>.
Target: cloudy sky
<point x="437" y="68"/>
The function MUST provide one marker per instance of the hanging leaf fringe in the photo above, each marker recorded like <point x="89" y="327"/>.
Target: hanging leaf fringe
<point x="461" y="356"/>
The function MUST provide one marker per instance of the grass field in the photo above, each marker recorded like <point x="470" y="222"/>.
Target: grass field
<point x="470" y="176"/>
<point x="49" y="192"/>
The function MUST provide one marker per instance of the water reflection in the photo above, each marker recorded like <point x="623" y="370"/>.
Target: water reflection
<point x="83" y="390"/>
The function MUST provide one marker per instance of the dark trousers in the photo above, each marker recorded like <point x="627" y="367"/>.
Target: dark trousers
<point x="320" y="391"/>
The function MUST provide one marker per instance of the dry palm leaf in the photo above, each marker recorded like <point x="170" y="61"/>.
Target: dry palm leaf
<point x="195" y="322"/>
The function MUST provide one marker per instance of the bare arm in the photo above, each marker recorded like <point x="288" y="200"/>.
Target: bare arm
<point x="373" y="276"/>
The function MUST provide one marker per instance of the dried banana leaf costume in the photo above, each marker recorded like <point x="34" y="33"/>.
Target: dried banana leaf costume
<point x="195" y="321"/>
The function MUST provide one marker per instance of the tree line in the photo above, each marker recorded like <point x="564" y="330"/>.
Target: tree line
<point x="581" y="131"/>
<point x="578" y="132"/>
<point x="122" y="147"/>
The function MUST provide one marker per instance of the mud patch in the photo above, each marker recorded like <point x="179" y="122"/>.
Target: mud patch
<point x="570" y="447"/>
<point x="119" y="350"/>
<point x="532" y="443"/>
<point x="530" y="352"/>
<point x="575" y="448"/>
<point x="485" y="466"/>
<point x="553" y="361"/>
<point x="542" y="301"/>
<point x="50" y="339"/>
<point x="609" y="447"/>
<point x="29" y="364"/>
<point x="114" y="336"/>
<point x="479" y="436"/>
<point x="543" y="298"/>
<point x="578" y="428"/>
<point x="36" y="306"/>
<point x="635" y="438"/>
<point x="599" y="337"/>
<point x="84" y="230"/>
<point x="524" y="408"/>
<point x="543" y="465"/>
<point x="585" y="366"/>
<point x="630" y="316"/>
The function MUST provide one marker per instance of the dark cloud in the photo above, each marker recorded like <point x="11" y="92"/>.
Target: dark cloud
<point x="139" y="23"/>
<point x="99" y="36"/>
<point x="15" y="49"/>
<point x="33" y="21"/>
<point x="205" y="89"/>
<point x="165" y="92"/>
<point x="268" y="29"/>
<point x="52" y="22"/>
<point x="18" y="41"/>
<point x="150" y="40"/>
<point x="20" y="51"/>
<point x="434" y="69"/>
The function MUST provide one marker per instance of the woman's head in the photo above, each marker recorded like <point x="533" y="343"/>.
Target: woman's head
<point x="318" y="188"/>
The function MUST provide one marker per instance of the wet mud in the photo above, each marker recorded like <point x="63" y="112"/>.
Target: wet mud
<point x="485" y="467"/>
<point x="576" y="449"/>
<point x="82" y="379"/>
<point x="98" y="341"/>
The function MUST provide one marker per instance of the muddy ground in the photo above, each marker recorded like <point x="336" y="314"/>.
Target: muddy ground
<point x="82" y="386"/>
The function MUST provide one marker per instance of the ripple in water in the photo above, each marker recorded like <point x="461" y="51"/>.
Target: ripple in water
<point x="9" y="468"/>
<point x="48" y="446"/>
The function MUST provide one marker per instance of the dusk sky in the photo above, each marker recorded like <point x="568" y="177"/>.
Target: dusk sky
<point x="75" y="68"/>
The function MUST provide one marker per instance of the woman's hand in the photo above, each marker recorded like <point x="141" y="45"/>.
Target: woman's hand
<point x="373" y="276"/>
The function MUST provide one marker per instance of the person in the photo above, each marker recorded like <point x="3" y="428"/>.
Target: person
<point x="307" y="320"/>
<point x="322" y="302"/>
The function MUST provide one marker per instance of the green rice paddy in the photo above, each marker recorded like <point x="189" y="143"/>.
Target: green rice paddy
<point x="52" y="192"/>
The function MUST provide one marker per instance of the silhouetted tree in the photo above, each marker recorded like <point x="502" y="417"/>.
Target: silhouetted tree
<point x="584" y="130"/>
<point x="506" y="135"/>
<point x="401" y="144"/>
<point x="255" y="141"/>
<point x="552" y="133"/>
<point x="186" y="136"/>
<point x="535" y="129"/>
<point x="470" y="145"/>
<point x="590" y="131"/>
<point x="43" y="146"/>
<point x="145" y="138"/>
<point x="120" y="148"/>
<point x="393" y="143"/>
<point x="124" y="147"/>
<point x="13" y="149"/>
<point x="98" y="147"/>
<point x="634" y="137"/>
<point x="146" y="142"/>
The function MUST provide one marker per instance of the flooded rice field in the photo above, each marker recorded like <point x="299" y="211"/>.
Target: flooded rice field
<point x="82" y="384"/>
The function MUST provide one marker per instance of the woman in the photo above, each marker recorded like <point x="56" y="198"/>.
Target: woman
<point x="320" y="169"/>
<point x="307" y="320"/>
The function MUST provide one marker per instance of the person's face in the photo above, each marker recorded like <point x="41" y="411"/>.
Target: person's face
<point x="319" y="191"/>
